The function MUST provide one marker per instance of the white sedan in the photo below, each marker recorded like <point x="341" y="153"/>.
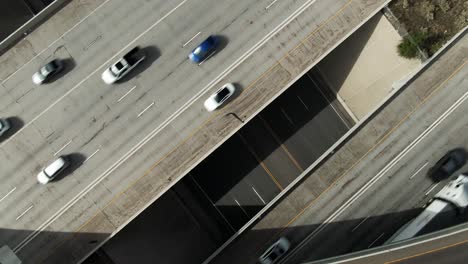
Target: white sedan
<point x="219" y="97"/>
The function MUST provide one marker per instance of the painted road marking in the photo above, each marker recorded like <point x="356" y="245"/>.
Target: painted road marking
<point x="94" y="153"/>
<point x="431" y="189"/>
<point x="420" y="169"/>
<point x="23" y="213"/>
<point x="123" y="96"/>
<point x="272" y="3"/>
<point x="263" y="201"/>
<point x="58" y="151"/>
<point x="185" y="44"/>
<point x="146" y="109"/>
<point x="6" y="195"/>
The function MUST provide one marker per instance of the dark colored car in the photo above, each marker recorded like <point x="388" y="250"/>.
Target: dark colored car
<point x="205" y="49"/>
<point x="47" y="71"/>
<point x="448" y="164"/>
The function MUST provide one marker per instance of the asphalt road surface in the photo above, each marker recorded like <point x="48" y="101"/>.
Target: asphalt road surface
<point x="377" y="180"/>
<point x="96" y="124"/>
<point x="110" y="133"/>
<point x="232" y="184"/>
<point x="269" y="152"/>
<point x="393" y="179"/>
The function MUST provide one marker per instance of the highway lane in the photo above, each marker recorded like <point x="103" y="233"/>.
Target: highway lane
<point x="329" y="214"/>
<point x="270" y="152"/>
<point x="83" y="175"/>
<point x="394" y="180"/>
<point x="199" y="140"/>
<point x="234" y="182"/>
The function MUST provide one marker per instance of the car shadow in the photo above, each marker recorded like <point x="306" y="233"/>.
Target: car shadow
<point x="222" y="42"/>
<point x="76" y="160"/>
<point x="152" y="53"/>
<point x="16" y="124"/>
<point x="68" y="65"/>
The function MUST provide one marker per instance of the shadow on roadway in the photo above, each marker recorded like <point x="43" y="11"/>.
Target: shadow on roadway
<point x="16" y="124"/>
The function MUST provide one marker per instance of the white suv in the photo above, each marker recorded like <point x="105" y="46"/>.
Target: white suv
<point x="51" y="171"/>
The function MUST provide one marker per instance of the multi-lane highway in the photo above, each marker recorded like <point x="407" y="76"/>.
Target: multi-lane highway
<point x="383" y="182"/>
<point x="135" y="122"/>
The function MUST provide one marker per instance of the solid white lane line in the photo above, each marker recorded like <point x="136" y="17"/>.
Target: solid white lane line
<point x="300" y="99"/>
<point x="375" y="240"/>
<point x="263" y="201"/>
<point x="191" y="39"/>
<point x="153" y="133"/>
<point x="431" y="189"/>
<point x="356" y="227"/>
<point x="92" y="73"/>
<point x="420" y="169"/>
<point x="23" y="213"/>
<point x="94" y="153"/>
<point x="123" y="96"/>
<point x="6" y="195"/>
<point x="58" y="151"/>
<point x="379" y="175"/>
<point x="66" y="32"/>
<point x="272" y="3"/>
<point x="144" y="110"/>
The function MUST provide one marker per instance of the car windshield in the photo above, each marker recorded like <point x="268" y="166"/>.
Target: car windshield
<point x="221" y="95"/>
<point x="46" y="70"/>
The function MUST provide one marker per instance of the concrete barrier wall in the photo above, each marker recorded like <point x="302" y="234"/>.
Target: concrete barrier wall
<point x="31" y="24"/>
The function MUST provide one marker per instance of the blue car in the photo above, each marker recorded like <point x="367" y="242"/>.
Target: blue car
<point x="205" y="49"/>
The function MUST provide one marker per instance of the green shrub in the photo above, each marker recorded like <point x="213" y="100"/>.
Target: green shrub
<point x="427" y="43"/>
<point x="407" y="49"/>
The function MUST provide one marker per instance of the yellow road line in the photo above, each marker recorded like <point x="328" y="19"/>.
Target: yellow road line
<point x="260" y="161"/>
<point x="370" y="150"/>
<point x="204" y="123"/>
<point x="291" y="157"/>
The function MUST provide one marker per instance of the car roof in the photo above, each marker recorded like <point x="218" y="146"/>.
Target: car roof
<point x="55" y="166"/>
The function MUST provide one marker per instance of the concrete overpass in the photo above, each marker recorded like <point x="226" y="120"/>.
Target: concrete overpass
<point x="125" y="160"/>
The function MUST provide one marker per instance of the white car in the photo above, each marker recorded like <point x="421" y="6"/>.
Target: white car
<point x="51" y="171"/>
<point x="4" y="126"/>
<point x="275" y="251"/>
<point x="123" y="66"/>
<point x="219" y="97"/>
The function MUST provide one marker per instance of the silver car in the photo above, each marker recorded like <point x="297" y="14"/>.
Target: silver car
<point x="275" y="251"/>
<point x="4" y="126"/>
<point x="47" y="71"/>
